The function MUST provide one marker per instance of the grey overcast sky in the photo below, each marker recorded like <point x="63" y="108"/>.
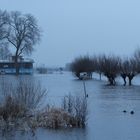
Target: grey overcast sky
<point x="78" y="27"/>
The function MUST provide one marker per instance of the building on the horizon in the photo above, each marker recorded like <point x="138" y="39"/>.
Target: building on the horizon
<point x="8" y="66"/>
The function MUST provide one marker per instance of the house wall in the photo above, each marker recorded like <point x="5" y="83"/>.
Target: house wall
<point x="9" y="68"/>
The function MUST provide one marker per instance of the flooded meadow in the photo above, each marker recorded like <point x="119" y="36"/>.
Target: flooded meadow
<point x="109" y="108"/>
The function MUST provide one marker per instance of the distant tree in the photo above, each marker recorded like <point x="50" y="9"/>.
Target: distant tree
<point x="124" y="70"/>
<point x="4" y="19"/>
<point x="132" y="70"/>
<point x="109" y="66"/>
<point x="82" y="64"/>
<point x="99" y="65"/>
<point x="128" y="68"/>
<point x="137" y="58"/>
<point x="23" y="34"/>
<point x="41" y="70"/>
<point x="5" y="53"/>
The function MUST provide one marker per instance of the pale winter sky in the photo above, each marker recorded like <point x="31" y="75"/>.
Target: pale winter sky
<point x="79" y="27"/>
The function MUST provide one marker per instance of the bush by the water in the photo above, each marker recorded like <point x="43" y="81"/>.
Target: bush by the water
<point x="20" y="108"/>
<point x="77" y="108"/>
<point x="73" y="113"/>
<point x="19" y="101"/>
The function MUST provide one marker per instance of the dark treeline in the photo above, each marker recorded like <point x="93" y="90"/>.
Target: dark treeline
<point x="108" y="65"/>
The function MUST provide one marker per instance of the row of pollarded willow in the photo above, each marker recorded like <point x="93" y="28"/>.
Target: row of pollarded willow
<point x="19" y="30"/>
<point x="110" y="66"/>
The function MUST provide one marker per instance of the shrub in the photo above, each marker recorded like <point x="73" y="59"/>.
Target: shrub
<point x="77" y="108"/>
<point x="20" y="98"/>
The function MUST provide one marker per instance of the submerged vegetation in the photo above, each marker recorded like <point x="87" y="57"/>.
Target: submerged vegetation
<point x="21" y="109"/>
<point x="73" y="113"/>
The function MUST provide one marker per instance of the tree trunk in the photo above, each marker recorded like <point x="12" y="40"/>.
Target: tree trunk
<point x="78" y="75"/>
<point x="89" y="75"/>
<point x="130" y="77"/>
<point x="114" y="82"/>
<point x="16" y="65"/>
<point x="111" y="81"/>
<point x="124" y="78"/>
<point x="100" y="74"/>
<point x="130" y="80"/>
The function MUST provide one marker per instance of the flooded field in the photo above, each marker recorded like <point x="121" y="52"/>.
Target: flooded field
<point x="106" y="119"/>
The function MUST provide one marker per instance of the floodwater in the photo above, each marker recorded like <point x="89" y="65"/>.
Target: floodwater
<point x="106" y="119"/>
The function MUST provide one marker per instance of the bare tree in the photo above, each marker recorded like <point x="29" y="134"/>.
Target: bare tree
<point x="132" y="70"/>
<point x="23" y="34"/>
<point x="98" y="65"/>
<point x="109" y="66"/>
<point x="82" y="64"/>
<point x="124" y="70"/>
<point x="128" y="68"/>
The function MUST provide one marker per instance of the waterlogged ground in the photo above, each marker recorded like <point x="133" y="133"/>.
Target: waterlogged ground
<point x="106" y="120"/>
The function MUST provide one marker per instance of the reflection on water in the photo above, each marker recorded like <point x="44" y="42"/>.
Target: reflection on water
<point x="43" y="134"/>
<point x="106" y="120"/>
